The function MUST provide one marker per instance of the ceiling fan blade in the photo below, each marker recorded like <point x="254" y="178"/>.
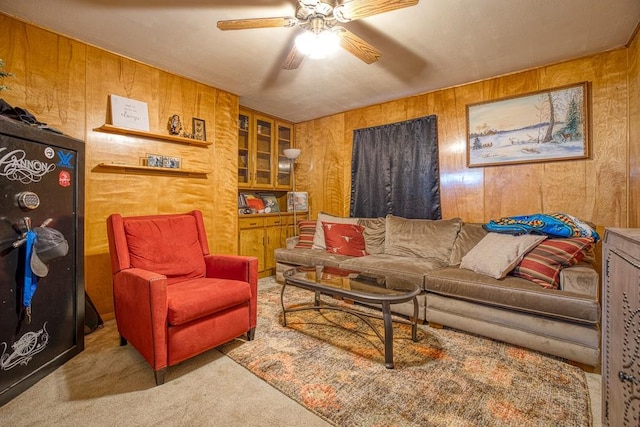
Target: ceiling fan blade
<point x="356" y="9"/>
<point x="356" y="46"/>
<point x="245" y="24"/>
<point x="294" y="58"/>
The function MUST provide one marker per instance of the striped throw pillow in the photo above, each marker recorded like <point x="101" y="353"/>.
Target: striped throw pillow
<point x="306" y="231"/>
<point x="543" y="264"/>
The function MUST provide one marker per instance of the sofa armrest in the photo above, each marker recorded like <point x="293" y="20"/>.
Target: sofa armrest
<point x="581" y="279"/>
<point x="292" y="242"/>
<point x="140" y="303"/>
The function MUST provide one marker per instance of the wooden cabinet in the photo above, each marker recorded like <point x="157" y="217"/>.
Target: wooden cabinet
<point x="284" y="134"/>
<point x="621" y="328"/>
<point x="261" y="144"/>
<point x="260" y="235"/>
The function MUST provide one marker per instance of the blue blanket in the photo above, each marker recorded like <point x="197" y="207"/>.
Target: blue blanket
<point x="552" y="225"/>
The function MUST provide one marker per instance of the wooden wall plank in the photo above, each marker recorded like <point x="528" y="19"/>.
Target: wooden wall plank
<point x="594" y="189"/>
<point x="49" y="84"/>
<point x="67" y="83"/>
<point x="634" y="131"/>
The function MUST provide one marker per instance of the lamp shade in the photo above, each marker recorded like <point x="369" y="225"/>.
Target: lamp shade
<point x="292" y="153"/>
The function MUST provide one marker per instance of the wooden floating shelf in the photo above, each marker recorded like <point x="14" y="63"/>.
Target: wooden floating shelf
<point x="144" y="134"/>
<point x="148" y="169"/>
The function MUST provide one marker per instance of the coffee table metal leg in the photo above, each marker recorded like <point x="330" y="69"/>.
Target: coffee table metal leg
<point x="414" y="327"/>
<point x="284" y="311"/>
<point x="388" y="335"/>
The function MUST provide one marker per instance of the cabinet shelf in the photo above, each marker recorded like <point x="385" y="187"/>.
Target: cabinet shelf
<point x="144" y="134"/>
<point x="148" y="169"/>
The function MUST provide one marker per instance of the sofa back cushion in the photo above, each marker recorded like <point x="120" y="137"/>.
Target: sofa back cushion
<point x="422" y="238"/>
<point x="470" y="235"/>
<point x="373" y="234"/>
<point x="166" y="245"/>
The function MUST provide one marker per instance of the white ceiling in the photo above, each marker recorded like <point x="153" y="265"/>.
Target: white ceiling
<point x="436" y="44"/>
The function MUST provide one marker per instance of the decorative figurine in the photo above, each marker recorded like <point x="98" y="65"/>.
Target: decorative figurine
<point x="175" y="125"/>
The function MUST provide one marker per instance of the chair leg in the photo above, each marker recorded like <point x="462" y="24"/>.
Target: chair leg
<point x="160" y="375"/>
<point x="123" y="340"/>
<point x="251" y="333"/>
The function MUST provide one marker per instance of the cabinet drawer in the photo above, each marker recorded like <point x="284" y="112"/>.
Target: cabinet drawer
<point x="275" y="220"/>
<point x="251" y="222"/>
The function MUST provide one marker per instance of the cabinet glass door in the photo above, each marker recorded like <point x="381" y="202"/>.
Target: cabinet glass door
<point x="284" y="165"/>
<point x="243" y="149"/>
<point x="264" y="153"/>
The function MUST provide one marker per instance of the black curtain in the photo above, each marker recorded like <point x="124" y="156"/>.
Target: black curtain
<point x="394" y="170"/>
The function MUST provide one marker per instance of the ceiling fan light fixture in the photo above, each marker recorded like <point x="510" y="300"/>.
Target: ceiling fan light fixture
<point x="318" y="46"/>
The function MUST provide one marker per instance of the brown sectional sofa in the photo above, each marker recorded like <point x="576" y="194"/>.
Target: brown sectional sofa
<point x="563" y="322"/>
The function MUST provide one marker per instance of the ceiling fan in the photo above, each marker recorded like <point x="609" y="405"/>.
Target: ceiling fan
<point x="320" y="19"/>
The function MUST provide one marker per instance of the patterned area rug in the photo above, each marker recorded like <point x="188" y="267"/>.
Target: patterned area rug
<point x="333" y="364"/>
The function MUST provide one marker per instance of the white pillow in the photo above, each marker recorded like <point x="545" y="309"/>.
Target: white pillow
<point x="497" y="254"/>
<point x="318" y="238"/>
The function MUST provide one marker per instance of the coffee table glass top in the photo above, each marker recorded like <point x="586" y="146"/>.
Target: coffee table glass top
<point x="369" y="287"/>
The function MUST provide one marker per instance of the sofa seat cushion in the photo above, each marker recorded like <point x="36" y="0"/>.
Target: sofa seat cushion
<point x="401" y="267"/>
<point x="192" y="299"/>
<point x="513" y="293"/>
<point x="308" y="257"/>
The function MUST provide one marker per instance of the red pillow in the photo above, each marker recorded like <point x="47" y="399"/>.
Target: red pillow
<point x="306" y="231"/>
<point x="344" y="239"/>
<point x="543" y="264"/>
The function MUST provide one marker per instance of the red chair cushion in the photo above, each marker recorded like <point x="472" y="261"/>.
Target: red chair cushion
<point x="166" y="245"/>
<point x="196" y="298"/>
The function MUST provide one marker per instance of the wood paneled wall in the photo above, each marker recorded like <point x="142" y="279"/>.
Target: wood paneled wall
<point x="634" y="132"/>
<point x="595" y="189"/>
<point x="67" y="83"/>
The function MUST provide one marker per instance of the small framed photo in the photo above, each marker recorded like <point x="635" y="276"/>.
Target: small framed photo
<point x="171" y="162"/>
<point x="154" y="160"/>
<point x="199" y="129"/>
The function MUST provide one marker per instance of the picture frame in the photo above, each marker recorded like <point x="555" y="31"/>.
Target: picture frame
<point x="129" y="113"/>
<point x="543" y="126"/>
<point x="171" y="162"/>
<point x="154" y="160"/>
<point x="199" y="129"/>
<point x="299" y="200"/>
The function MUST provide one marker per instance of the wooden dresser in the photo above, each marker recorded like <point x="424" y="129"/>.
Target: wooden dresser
<point x="621" y="328"/>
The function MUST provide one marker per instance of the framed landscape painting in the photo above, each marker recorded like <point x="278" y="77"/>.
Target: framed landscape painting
<point x="544" y="126"/>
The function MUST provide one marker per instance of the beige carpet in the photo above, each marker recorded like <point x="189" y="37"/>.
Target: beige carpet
<point x="109" y="385"/>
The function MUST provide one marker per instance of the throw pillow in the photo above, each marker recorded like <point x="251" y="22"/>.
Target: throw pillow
<point x="306" y="231"/>
<point x="543" y="264"/>
<point x="318" y="238"/>
<point x="497" y="254"/>
<point x="344" y="239"/>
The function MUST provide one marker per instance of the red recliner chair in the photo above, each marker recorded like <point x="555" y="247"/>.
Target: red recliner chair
<point x="174" y="300"/>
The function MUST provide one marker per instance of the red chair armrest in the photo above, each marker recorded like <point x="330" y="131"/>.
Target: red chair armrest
<point x="236" y="267"/>
<point x="233" y="267"/>
<point x="140" y="302"/>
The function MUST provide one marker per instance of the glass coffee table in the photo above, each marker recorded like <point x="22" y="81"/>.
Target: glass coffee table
<point x="357" y="287"/>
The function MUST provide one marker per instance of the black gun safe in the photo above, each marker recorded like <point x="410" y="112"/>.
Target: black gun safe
<point x="41" y="183"/>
